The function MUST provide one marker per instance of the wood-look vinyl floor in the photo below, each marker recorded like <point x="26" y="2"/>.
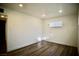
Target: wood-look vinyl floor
<point x="44" y="48"/>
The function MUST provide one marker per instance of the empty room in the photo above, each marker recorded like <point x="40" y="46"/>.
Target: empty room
<point x="39" y="29"/>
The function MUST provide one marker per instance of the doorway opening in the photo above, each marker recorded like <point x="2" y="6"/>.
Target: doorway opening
<point x="3" y="46"/>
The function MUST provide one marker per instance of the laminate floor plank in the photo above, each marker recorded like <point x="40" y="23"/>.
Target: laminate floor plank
<point x="44" y="48"/>
<point x="49" y="51"/>
<point x="59" y="50"/>
<point x="40" y="46"/>
<point x="65" y="52"/>
<point x="40" y="51"/>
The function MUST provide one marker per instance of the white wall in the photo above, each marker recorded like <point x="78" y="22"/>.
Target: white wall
<point x="66" y="35"/>
<point x="22" y="30"/>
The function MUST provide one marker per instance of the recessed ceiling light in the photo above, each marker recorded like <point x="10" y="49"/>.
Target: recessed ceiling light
<point x="20" y="5"/>
<point x="43" y="15"/>
<point x="2" y="16"/>
<point x="60" y="11"/>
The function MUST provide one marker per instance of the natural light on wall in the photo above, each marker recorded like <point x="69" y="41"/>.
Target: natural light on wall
<point x="42" y="38"/>
<point x="39" y="39"/>
<point x="45" y="38"/>
<point x="56" y="24"/>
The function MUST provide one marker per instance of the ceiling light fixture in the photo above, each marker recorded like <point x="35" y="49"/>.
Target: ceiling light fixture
<point x="43" y="15"/>
<point x="60" y="11"/>
<point x="2" y="16"/>
<point x="20" y="5"/>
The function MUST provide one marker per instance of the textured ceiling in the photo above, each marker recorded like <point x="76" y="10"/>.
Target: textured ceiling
<point x="50" y="9"/>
